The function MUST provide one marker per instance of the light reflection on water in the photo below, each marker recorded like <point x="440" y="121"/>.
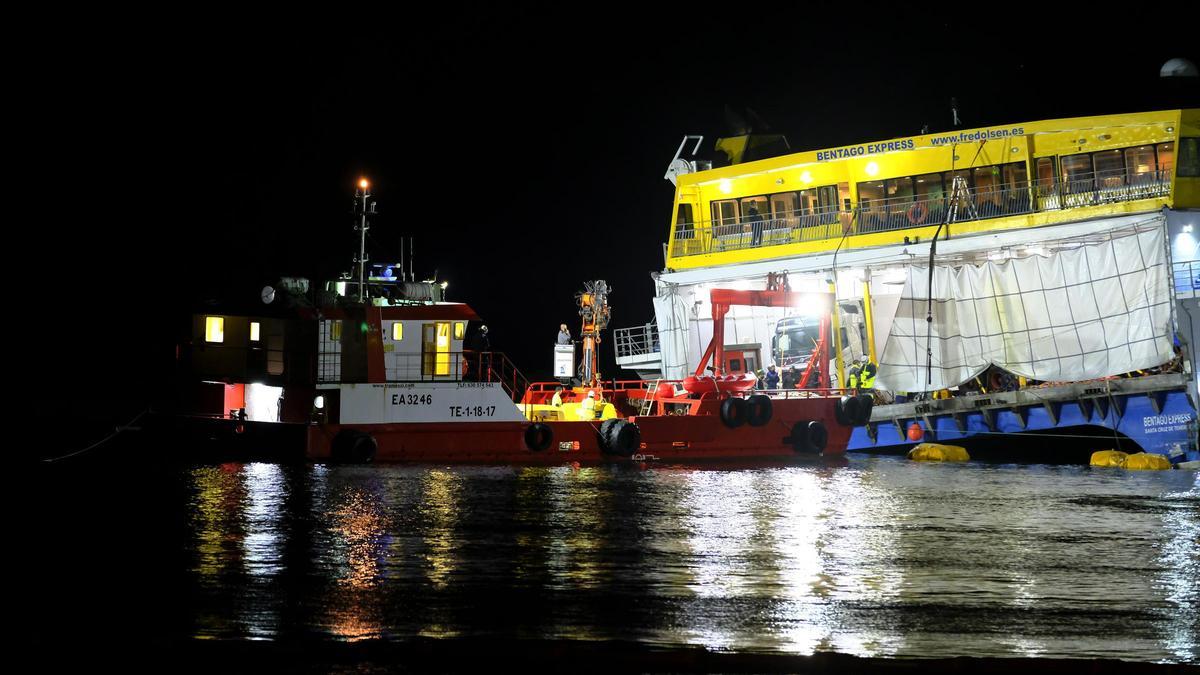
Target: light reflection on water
<point x="879" y="558"/>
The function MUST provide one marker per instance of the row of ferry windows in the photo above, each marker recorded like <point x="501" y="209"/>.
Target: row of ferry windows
<point x="1107" y="168"/>
<point x="214" y="329"/>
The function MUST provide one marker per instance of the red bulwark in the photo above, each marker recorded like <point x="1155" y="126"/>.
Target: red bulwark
<point x="449" y="311"/>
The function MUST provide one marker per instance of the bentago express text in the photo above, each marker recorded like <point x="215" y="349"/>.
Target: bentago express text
<point x="910" y="144"/>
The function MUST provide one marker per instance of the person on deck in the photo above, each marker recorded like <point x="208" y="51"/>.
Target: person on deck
<point x="756" y="226"/>
<point x="772" y="378"/>
<point x="557" y="400"/>
<point x="587" y="409"/>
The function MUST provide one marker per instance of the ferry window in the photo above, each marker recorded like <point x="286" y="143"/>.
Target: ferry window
<point x="460" y="329"/>
<point x="929" y="186"/>
<point x="335" y="331"/>
<point x="1015" y="176"/>
<point x="398" y="331"/>
<point x="1189" y="157"/>
<point x="987" y="181"/>
<point x="869" y="193"/>
<point x="828" y="199"/>
<point x="1139" y="163"/>
<point x="1077" y="172"/>
<point x="255" y="331"/>
<point x="900" y="189"/>
<point x="1166" y="157"/>
<point x="214" y="329"/>
<point x="1045" y="174"/>
<point x="949" y="176"/>
<point x="759" y="204"/>
<point x="808" y="201"/>
<point x="684" y="222"/>
<point x="784" y="207"/>
<point x="725" y="212"/>
<point x="1110" y="168"/>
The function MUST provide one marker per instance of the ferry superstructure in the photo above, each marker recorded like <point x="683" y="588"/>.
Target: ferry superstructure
<point x="859" y="221"/>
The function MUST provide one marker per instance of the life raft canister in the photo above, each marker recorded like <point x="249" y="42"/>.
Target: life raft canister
<point x="538" y="436"/>
<point x="917" y="213"/>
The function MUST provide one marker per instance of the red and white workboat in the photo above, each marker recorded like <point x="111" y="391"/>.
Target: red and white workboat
<point x="378" y="369"/>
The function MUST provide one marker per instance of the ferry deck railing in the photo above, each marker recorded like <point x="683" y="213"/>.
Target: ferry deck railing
<point x="637" y="340"/>
<point x="900" y="213"/>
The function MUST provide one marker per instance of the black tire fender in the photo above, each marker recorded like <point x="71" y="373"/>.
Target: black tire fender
<point x="352" y="446"/>
<point x="624" y="438"/>
<point x="759" y="410"/>
<point x="538" y="436"/>
<point x="733" y="412"/>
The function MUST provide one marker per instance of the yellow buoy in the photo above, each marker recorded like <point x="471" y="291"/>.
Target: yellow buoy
<point x="1146" y="461"/>
<point x="1108" y="458"/>
<point x="936" y="452"/>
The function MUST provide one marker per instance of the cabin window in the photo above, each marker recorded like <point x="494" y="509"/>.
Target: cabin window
<point x="1015" y="176"/>
<point x="1110" y="168"/>
<point x="900" y="190"/>
<point x="684" y="222"/>
<point x="870" y="193"/>
<point x="1166" y="158"/>
<point x="1077" y="172"/>
<point x="335" y="331"/>
<point x="929" y="186"/>
<point x="275" y="355"/>
<point x="785" y="208"/>
<point x="1140" y="165"/>
<point x="255" y="331"/>
<point x="214" y="329"/>
<point x="807" y="202"/>
<point x="1045" y="174"/>
<point x="735" y="365"/>
<point x="398" y="331"/>
<point x="758" y="204"/>
<point x="725" y="215"/>
<point x="1189" y="158"/>
<point x="460" y="329"/>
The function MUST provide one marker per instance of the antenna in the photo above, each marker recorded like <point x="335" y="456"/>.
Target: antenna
<point x="954" y="110"/>
<point x="362" y="209"/>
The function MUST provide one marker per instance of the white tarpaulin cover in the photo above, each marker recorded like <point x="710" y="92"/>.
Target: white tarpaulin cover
<point x="1097" y="310"/>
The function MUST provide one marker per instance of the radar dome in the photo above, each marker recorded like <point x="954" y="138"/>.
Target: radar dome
<point x="1178" y="68"/>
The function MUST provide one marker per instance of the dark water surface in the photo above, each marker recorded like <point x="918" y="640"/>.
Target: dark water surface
<point x="879" y="557"/>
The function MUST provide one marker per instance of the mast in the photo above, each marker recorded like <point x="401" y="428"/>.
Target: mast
<point x="362" y="209"/>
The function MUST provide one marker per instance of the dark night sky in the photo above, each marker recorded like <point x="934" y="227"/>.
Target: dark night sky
<point x="523" y="149"/>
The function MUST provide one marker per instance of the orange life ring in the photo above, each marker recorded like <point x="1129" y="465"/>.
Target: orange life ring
<point x="917" y="207"/>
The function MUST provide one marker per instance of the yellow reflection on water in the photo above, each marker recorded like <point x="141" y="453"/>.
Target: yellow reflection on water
<point x="439" y="509"/>
<point x="357" y="524"/>
<point x="216" y="509"/>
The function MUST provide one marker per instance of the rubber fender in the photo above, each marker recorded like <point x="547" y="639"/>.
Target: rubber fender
<point x="605" y="426"/>
<point x="936" y="452"/>
<point x="759" y="410"/>
<point x="840" y="412"/>
<point x="1146" y="461"/>
<point x="1108" y="458"/>
<point x="352" y="446"/>
<point x="865" y="403"/>
<point x="809" y="437"/>
<point x="733" y="412"/>
<point x="624" y="438"/>
<point x="538" y="436"/>
<point x="850" y="406"/>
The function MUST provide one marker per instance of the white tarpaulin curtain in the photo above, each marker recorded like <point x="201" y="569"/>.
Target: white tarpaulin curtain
<point x="1094" y="311"/>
